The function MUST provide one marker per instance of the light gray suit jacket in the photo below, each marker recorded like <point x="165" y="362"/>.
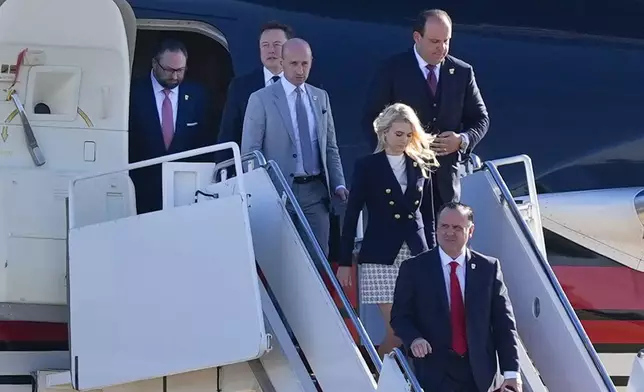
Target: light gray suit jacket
<point x="269" y="129"/>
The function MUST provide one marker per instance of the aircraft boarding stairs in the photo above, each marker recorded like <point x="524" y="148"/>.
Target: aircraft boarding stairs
<point x="201" y="295"/>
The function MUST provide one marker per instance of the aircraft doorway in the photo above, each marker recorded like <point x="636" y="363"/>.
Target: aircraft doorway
<point x="209" y="61"/>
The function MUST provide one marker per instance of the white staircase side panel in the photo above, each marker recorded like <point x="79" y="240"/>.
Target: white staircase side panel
<point x="283" y="364"/>
<point x="299" y="289"/>
<point x="391" y="377"/>
<point x="163" y="293"/>
<point x="545" y="328"/>
<point x="636" y="380"/>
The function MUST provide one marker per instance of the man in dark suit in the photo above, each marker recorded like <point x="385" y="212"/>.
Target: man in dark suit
<point x="272" y="36"/>
<point x="452" y="311"/>
<point x="443" y="91"/>
<point x="167" y="115"/>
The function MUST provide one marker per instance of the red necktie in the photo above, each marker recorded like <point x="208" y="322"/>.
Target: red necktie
<point x="457" y="312"/>
<point x="431" y="78"/>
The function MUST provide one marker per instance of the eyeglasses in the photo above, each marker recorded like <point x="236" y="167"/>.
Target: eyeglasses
<point x="170" y="71"/>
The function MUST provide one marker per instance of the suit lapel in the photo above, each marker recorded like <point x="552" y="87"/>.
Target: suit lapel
<point x="182" y="102"/>
<point x="412" y="174"/>
<point x="153" y="113"/>
<point x="445" y="83"/>
<point x="472" y="277"/>
<point x="282" y="107"/>
<point x="439" y="285"/>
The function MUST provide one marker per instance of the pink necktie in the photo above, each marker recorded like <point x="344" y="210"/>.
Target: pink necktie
<point x="167" y="119"/>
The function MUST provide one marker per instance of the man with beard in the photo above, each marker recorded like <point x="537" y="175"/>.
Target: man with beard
<point x="167" y="116"/>
<point x="443" y="92"/>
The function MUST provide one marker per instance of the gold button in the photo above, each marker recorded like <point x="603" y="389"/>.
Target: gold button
<point x="391" y="203"/>
<point x="410" y="216"/>
<point x="397" y="216"/>
<point x="387" y="190"/>
<point x="417" y="202"/>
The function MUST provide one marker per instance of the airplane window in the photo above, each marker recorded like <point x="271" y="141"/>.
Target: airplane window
<point x="42" y="108"/>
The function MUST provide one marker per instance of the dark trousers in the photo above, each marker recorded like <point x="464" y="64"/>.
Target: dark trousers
<point x="458" y="375"/>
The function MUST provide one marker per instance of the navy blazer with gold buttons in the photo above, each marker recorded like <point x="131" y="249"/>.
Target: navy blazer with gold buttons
<point x="394" y="217"/>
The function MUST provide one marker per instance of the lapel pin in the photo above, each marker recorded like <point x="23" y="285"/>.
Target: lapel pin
<point x="473" y="266"/>
<point x="186" y="97"/>
<point x="315" y="97"/>
<point x="451" y="71"/>
<point x="415" y="164"/>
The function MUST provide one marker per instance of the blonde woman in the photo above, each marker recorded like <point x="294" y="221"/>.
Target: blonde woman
<point x="394" y="183"/>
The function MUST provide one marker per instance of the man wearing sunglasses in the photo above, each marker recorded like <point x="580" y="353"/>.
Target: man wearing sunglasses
<point x="167" y="115"/>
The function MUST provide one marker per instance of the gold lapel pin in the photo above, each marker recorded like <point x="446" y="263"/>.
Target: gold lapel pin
<point x="186" y="97"/>
<point x="451" y="71"/>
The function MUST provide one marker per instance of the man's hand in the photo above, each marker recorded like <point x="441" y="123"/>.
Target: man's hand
<point x="342" y="193"/>
<point x="420" y="347"/>
<point x="446" y="143"/>
<point x="511" y="383"/>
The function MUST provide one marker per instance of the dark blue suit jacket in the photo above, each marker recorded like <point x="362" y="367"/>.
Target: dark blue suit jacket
<point x="232" y="121"/>
<point x="394" y="217"/>
<point x="421" y="310"/>
<point x="458" y="107"/>
<point x="146" y="138"/>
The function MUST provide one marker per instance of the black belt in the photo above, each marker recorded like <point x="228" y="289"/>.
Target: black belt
<point x="306" y="179"/>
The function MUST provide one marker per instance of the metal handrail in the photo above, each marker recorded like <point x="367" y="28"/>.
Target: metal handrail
<point x="532" y="192"/>
<point x="318" y="253"/>
<point x="509" y="199"/>
<point x="249" y="156"/>
<point x="156" y="161"/>
<point x="398" y="355"/>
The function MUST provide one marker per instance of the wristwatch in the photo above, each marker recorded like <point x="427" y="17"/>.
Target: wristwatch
<point x="464" y="142"/>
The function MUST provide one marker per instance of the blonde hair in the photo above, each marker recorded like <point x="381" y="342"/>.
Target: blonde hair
<point x="418" y="147"/>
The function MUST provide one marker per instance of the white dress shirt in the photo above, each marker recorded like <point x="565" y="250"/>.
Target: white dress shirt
<point x="159" y="96"/>
<point x="268" y="77"/>
<point x="291" y="96"/>
<point x="460" y="274"/>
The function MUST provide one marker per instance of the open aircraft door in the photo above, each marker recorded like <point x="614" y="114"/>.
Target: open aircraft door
<point x="64" y="102"/>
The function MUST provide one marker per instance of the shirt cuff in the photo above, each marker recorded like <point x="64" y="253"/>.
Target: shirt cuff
<point x="337" y="188"/>
<point x="510" y="375"/>
<point x="465" y="142"/>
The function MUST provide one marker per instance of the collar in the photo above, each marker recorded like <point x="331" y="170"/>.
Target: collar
<point x="290" y="87"/>
<point x="445" y="259"/>
<point x="268" y="75"/>
<point x="421" y="62"/>
<point x="157" y="88"/>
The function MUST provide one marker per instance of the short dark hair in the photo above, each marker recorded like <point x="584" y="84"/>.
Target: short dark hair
<point x="275" y="25"/>
<point x="170" y="45"/>
<point x="454" y="205"/>
<point x="421" y="19"/>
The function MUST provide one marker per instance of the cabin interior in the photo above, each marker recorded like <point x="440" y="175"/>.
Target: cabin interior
<point x="209" y="61"/>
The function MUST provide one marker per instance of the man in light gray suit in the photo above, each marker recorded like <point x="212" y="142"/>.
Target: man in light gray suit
<point x="291" y="123"/>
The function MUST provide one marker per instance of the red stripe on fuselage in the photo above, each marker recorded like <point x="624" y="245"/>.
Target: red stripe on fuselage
<point x="618" y="288"/>
<point x="615" y="332"/>
<point x="30" y="331"/>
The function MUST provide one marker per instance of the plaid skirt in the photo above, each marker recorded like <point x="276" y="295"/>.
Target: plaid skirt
<point x="377" y="281"/>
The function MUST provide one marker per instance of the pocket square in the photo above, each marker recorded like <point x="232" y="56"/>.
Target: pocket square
<point x="191" y="124"/>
